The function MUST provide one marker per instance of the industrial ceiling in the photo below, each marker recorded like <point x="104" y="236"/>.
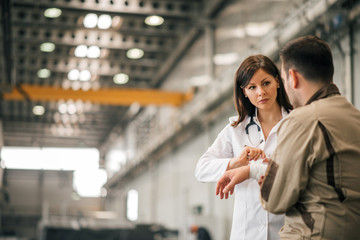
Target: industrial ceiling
<point x="53" y="94"/>
<point x="67" y="83"/>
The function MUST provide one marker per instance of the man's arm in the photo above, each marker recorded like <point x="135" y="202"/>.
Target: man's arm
<point x="287" y="174"/>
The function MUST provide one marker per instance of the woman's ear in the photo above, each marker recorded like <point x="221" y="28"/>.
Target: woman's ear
<point x="244" y="92"/>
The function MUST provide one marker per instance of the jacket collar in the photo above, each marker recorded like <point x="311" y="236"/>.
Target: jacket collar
<point x="283" y="112"/>
<point x="248" y="118"/>
<point x="324" y="92"/>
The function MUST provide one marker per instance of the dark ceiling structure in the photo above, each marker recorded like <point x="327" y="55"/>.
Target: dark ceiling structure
<point x="54" y="95"/>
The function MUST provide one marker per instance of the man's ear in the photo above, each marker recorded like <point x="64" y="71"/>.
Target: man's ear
<point x="293" y="78"/>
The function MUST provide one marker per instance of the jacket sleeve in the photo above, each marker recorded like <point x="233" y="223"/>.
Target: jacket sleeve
<point x="213" y="163"/>
<point x="287" y="173"/>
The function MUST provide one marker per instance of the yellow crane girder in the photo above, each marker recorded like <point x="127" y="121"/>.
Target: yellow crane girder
<point x="109" y="96"/>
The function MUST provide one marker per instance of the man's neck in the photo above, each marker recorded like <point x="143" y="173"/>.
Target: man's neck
<point x="309" y="90"/>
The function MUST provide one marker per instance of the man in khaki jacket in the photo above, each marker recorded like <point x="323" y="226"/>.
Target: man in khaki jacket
<point x="314" y="174"/>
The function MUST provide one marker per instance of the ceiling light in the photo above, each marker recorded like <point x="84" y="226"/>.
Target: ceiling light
<point x="73" y="75"/>
<point x="200" y="80"/>
<point x="74" y="118"/>
<point x="121" y="78"/>
<point x="75" y="85"/>
<point x="71" y="108"/>
<point x="95" y="86"/>
<point x="258" y="29"/>
<point x="52" y="12"/>
<point x="225" y="58"/>
<point x="66" y="84"/>
<point x="154" y="20"/>
<point x="104" y="21"/>
<point x="47" y="47"/>
<point x="81" y="51"/>
<point x="79" y="106"/>
<point x="85" y="75"/>
<point x="93" y="52"/>
<point x="44" y="73"/>
<point x="38" y="110"/>
<point x="135" y="53"/>
<point x="57" y="117"/>
<point x="62" y="108"/>
<point x="116" y="22"/>
<point x="90" y="20"/>
<point x="86" y="86"/>
<point x="65" y="118"/>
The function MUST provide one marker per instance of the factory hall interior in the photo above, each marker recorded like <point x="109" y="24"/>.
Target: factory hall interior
<point x="106" y="107"/>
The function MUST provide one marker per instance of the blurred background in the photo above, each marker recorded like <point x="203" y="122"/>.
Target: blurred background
<point x="107" y="105"/>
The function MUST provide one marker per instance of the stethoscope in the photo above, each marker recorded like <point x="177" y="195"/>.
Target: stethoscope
<point x="252" y="123"/>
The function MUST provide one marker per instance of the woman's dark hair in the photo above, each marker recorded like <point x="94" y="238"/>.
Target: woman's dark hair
<point x="243" y="76"/>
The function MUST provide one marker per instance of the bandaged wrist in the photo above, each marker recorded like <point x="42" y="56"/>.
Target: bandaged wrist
<point x="257" y="169"/>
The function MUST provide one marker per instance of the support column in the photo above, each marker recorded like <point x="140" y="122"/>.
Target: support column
<point x="352" y="69"/>
<point x="349" y="67"/>
<point x="1" y="146"/>
<point x="209" y="52"/>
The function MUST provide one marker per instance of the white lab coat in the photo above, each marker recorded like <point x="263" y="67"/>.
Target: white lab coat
<point x="250" y="220"/>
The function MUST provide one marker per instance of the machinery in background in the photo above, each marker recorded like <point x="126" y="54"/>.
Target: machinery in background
<point x="138" y="232"/>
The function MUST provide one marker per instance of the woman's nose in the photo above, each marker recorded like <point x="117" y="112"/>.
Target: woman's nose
<point x="260" y="91"/>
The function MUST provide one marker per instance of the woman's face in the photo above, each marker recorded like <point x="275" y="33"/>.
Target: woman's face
<point x="262" y="90"/>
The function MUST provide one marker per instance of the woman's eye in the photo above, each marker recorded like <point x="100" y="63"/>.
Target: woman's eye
<point x="251" y="87"/>
<point x="266" y="83"/>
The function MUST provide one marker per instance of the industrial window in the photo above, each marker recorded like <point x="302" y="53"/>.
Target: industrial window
<point x="132" y="205"/>
<point x="88" y="178"/>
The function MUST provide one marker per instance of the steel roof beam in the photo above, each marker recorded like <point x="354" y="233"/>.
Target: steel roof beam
<point x="12" y="135"/>
<point x="126" y="31"/>
<point x="212" y="7"/>
<point x="51" y="142"/>
<point x="40" y="128"/>
<point x="108" y="40"/>
<point x="103" y="96"/>
<point x="58" y="60"/>
<point x="175" y="9"/>
<point x="24" y="17"/>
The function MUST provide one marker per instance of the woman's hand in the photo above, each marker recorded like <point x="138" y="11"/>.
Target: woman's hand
<point x="248" y="154"/>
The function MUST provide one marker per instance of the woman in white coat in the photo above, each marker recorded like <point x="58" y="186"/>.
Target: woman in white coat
<point x="261" y="103"/>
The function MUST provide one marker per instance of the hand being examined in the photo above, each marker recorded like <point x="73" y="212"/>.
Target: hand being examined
<point x="227" y="182"/>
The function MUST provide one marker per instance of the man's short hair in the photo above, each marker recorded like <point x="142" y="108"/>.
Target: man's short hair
<point x="311" y="57"/>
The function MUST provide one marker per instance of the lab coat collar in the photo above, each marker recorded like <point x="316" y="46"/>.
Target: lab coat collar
<point x="284" y="113"/>
<point x="248" y="118"/>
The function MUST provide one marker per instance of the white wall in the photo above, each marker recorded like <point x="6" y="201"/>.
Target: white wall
<point x="168" y="191"/>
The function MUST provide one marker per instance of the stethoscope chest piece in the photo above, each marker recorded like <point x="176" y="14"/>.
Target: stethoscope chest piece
<point x="253" y="133"/>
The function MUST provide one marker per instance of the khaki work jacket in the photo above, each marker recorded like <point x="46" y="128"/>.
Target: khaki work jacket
<point x="314" y="174"/>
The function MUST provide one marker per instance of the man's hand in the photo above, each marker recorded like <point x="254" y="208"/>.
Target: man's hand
<point x="261" y="180"/>
<point x="227" y="182"/>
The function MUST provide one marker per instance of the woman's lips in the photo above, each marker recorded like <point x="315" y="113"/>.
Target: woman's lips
<point x="263" y="100"/>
